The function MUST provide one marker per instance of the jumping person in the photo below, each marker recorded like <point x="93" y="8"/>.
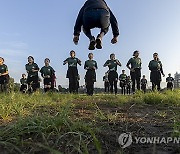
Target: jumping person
<point x="23" y="82"/>
<point x="106" y="83"/>
<point x="47" y="72"/>
<point x="128" y="85"/>
<point x="72" y="72"/>
<point x="155" y="66"/>
<point x="112" y="73"/>
<point x="4" y="76"/>
<point x="90" y="77"/>
<point x="95" y="13"/>
<point x="143" y="83"/>
<point x="32" y="78"/>
<point x="169" y="81"/>
<point x="122" y="79"/>
<point x="135" y="70"/>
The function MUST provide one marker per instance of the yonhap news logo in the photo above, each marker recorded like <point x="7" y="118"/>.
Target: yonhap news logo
<point x="126" y="139"/>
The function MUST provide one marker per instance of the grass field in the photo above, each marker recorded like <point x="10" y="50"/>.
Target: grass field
<point x="63" y="123"/>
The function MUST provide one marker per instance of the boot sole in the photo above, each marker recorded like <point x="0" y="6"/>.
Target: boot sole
<point x="92" y="45"/>
<point x="98" y="44"/>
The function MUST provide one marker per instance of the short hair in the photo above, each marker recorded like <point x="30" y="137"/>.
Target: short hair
<point x="31" y="57"/>
<point x="2" y="58"/>
<point x="90" y="54"/>
<point x="47" y="59"/>
<point x="72" y="51"/>
<point x="136" y="51"/>
<point x="112" y="54"/>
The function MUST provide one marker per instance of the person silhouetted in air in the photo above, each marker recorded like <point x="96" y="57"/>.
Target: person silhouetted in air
<point x="95" y="14"/>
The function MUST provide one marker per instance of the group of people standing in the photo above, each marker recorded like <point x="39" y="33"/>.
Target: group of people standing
<point x="128" y="83"/>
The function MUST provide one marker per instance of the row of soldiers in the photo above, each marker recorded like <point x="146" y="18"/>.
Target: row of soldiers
<point x="125" y="83"/>
<point x="48" y="73"/>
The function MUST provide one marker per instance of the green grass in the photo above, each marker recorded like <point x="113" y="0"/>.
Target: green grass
<point x="64" y="123"/>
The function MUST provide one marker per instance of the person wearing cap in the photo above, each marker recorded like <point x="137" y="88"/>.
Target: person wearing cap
<point x="23" y="82"/>
<point x="112" y="72"/>
<point x="106" y="82"/>
<point x="155" y="66"/>
<point x="32" y="79"/>
<point x="169" y="81"/>
<point x="72" y="72"/>
<point x="90" y="77"/>
<point x="122" y="79"/>
<point x="95" y="13"/>
<point x="135" y="70"/>
<point x="4" y="75"/>
<point x="143" y="83"/>
<point x="47" y="73"/>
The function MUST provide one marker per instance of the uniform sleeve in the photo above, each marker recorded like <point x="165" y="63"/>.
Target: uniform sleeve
<point x="37" y="67"/>
<point x="85" y="65"/>
<point x="114" y="24"/>
<point x="150" y="65"/>
<point x="26" y="67"/>
<point x="105" y="64"/>
<point x="52" y="69"/>
<point x="161" y="69"/>
<point x="66" y="60"/>
<point x="78" y="61"/>
<point x="96" y="65"/>
<point x="79" y="22"/>
<point x="41" y="71"/>
<point x="129" y="62"/>
<point x="6" y="68"/>
<point x="21" y="81"/>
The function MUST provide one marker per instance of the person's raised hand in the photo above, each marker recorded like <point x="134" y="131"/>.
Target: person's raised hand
<point x="76" y="39"/>
<point x="114" y="40"/>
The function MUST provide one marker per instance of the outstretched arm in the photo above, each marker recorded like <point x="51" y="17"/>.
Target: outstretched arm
<point x="79" y="22"/>
<point x="114" y="26"/>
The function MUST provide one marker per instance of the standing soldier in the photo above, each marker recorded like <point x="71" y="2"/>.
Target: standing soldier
<point x="155" y="66"/>
<point x="47" y="72"/>
<point x="143" y="83"/>
<point x="72" y="72"/>
<point x="106" y="83"/>
<point x="23" y="82"/>
<point x="112" y="75"/>
<point x="4" y="75"/>
<point x="135" y="70"/>
<point x="128" y="85"/>
<point x="32" y="70"/>
<point x="169" y="81"/>
<point x="122" y="79"/>
<point x="90" y="77"/>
